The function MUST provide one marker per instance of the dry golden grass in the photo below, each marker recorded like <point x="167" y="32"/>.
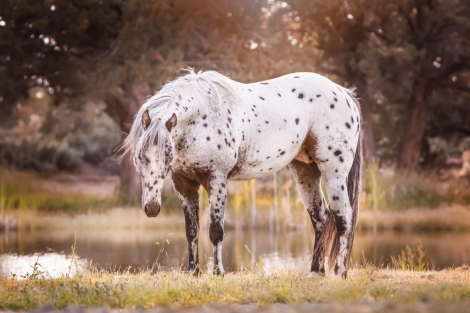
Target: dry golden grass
<point x="169" y="287"/>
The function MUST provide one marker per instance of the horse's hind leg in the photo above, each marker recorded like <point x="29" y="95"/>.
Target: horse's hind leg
<point x="187" y="192"/>
<point x="336" y="188"/>
<point x="308" y="179"/>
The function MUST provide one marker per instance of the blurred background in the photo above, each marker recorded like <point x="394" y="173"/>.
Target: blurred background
<point x="73" y="74"/>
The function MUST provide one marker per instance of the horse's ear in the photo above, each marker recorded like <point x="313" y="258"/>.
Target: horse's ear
<point x="146" y="120"/>
<point x="171" y="123"/>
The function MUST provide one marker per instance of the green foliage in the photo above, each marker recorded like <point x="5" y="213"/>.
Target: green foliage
<point x="58" y="36"/>
<point x="34" y="152"/>
<point x="36" y="272"/>
<point x="60" y="140"/>
<point x="397" y="53"/>
<point x="119" y="52"/>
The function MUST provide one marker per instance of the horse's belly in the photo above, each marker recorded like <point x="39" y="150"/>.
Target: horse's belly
<point x="247" y="174"/>
<point x="264" y="159"/>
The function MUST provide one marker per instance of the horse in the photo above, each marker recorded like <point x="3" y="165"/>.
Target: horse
<point x="207" y="129"/>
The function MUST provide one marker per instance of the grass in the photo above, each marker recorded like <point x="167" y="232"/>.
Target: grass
<point x="451" y="219"/>
<point x="166" y="287"/>
<point x="411" y="260"/>
<point x="123" y="218"/>
<point x="20" y="191"/>
<point x="408" y="282"/>
<point x="398" y="192"/>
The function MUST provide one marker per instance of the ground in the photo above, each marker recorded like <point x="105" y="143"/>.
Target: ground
<point x="366" y="307"/>
<point x="367" y="289"/>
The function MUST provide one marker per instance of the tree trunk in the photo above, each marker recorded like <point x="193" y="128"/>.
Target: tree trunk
<point x="370" y="153"/>
<point x="410" y="147"/>
<point x="122" y="105"/>
<point x="130" y="186"/>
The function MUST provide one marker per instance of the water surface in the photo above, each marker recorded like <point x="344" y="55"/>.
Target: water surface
<point x="141" y="249"/>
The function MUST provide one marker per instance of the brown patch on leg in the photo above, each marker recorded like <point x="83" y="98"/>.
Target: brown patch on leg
<point x="187" y="191"/>
<point x="308" y="181"/>
<point x="322" y="241"/>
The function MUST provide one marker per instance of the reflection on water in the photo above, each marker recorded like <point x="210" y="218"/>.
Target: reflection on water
<point x="51" y="265"/>
<point x="136" y="249"/>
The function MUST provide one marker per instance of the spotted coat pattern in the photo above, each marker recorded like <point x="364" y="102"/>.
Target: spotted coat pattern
<point x="219" y="130"/>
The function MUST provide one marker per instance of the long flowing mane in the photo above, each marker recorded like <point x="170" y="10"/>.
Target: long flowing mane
<point x="160" y="104"/>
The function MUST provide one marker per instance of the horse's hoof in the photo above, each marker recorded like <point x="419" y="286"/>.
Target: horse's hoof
<point x="219" y="272"/>
<point x="315" y="275"/>
<point x="339" y="277"/>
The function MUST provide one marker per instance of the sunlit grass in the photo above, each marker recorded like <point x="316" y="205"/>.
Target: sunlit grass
<point x="147" y="289"/>
<point x="408" y="281"/>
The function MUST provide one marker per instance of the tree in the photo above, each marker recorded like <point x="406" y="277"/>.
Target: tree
<point x="401" y="52"/>
<point x="339" y="29"/>
<point x="46" y="43"/>
<point x="419" y="48"/>
<point x="117" y="52"/>
<point x="440" y="30"/>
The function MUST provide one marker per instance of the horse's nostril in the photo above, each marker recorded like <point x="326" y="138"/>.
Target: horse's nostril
<point x="152" y="209"/>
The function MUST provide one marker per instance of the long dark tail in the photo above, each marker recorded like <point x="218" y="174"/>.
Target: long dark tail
<point x="354" y="189"/>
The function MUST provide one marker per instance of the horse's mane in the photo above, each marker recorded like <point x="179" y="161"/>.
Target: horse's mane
<point x="158" y="105"/>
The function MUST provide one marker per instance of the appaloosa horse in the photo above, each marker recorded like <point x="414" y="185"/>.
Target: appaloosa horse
<point x="207" y="129"/>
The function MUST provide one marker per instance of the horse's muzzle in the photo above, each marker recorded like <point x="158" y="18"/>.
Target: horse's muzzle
<point x="152" y="209"/>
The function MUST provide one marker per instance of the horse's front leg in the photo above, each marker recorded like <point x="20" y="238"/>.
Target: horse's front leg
<point x="216" y="187"/>
<point x="187" y="191"/>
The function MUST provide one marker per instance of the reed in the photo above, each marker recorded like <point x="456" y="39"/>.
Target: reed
<point x="389" y="201"/>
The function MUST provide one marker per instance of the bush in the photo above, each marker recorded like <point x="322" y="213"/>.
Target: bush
<point x="38" y="153"/>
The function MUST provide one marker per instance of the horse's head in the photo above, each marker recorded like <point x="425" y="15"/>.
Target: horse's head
<point x="153" y="160"/>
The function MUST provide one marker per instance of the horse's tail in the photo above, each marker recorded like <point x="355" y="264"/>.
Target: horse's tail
<point x="354" y="190"/>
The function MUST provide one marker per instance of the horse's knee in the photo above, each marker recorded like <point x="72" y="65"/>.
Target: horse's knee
<point x="216" y="232"/>
<point x="192" y="233"/>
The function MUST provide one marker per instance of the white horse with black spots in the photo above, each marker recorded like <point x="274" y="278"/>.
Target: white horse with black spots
<point x="207" y="129"/>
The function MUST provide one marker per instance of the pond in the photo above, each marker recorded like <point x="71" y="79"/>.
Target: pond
<point x="140" y="249"/>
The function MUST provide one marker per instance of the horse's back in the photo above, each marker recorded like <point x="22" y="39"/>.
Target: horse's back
<point x="292" y="116"/>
